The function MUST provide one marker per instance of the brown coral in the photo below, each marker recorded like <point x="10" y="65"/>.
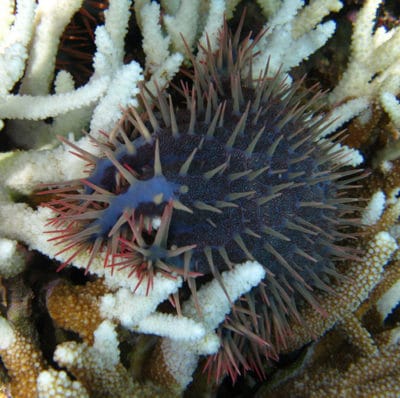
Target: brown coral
<point x="361" y="278"/>
<point x="76" y="308"/>
<point x="360" y="356"/>
<point x="335" y="369"/>
<point x="22" y="359"/>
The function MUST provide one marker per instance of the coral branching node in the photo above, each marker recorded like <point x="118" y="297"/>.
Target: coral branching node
<point x="238" y="173"/>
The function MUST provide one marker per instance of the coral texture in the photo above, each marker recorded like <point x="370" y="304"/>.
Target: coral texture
<point x="23" y="360"/>
<point x="77" y="307"/>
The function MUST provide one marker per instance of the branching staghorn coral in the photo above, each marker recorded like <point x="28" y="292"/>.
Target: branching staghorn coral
<point x="373" y="70"/>
<point x="354" y="375"/>
<point x="362" y="279"/>
<point x="112" y="79"/>
<point x="289" y="39"/>
<point x="98" y="107"/>
<point x="359" y="357"/>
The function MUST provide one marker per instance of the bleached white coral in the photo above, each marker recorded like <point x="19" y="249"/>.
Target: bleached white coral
<point x="388" y="96"/>
<point x="42" y="106"/>
<point x="130" y="308"/>
<point x="56" y="384"/>
<point x="152" y="33"/>
<point x="14" y="39"/>
<point x="213" y="26"/>
<point x="23" y="171"/>
<point x="111" y="77"/>
<point x="372" y="213"/>
<point x="181" y="357"/>
<point x="291" y="38"/>
<point x="50" y="21"/>
<point x="7" y="336"/>
<point x="183" y="23"/>
<point x="98" y="367"/>
<point x="389" y="300"/>
<point x="175" y="328"/>
<point x="373" y="70"/>
<point x="12" y="262"/>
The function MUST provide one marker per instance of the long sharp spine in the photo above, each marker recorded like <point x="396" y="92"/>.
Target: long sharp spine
<point x="157" y="160"/>
<point x="239" y="195"/>
<point x="274" y="145"/>
<point x="185" y="167"/>
<point x="139" y="124"/>
<point x="174" y="125"/>
<point x="153" y="120"/>
<point x="193" y="113"/>
<point x="205" y="206"/>
<point x="253" y="143"/>
<point x="240" y="242"/>
<point x="239" y="128"/>
<point x="236" y="176"/>
<point x="253" y="175"/>
<point x="213" y="124"/>
<point x="211" y="173"/>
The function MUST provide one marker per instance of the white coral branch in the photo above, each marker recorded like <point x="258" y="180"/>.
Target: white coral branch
<point x="51" y="20"/>
<point x="181" y="357"/>
<point x="44" y="106"/>
<point x="285" y="44"/>
<point x="374" y="64"/>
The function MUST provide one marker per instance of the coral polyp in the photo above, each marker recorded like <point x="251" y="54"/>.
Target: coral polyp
<point x="239" y="173"/>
